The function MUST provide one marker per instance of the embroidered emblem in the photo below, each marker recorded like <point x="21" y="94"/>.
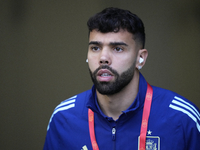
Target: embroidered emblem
<point x="150" y="145"/>
<point x="152" y="142"/>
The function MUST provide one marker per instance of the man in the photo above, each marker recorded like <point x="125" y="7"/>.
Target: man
<point x="122" y="111"/>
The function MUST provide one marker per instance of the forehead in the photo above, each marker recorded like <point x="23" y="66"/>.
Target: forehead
<point x="120" y="36"/>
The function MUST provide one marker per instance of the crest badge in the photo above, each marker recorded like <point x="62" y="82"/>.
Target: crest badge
<point x="152" y="142"/>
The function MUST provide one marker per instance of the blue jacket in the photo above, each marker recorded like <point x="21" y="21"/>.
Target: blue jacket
<point x="174" y="123"/>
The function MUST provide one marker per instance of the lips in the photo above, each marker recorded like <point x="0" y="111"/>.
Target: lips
<point x="104" y="75"/>
<point x="105" y="72"/>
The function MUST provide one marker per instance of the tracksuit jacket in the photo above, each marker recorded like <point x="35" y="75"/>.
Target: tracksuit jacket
<point x="174" y="123"/>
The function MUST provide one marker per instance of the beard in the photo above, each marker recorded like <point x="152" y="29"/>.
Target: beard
<point x="110" y="88"/>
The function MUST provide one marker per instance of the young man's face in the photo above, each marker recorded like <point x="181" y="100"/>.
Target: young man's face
<point x="112" y="60"/>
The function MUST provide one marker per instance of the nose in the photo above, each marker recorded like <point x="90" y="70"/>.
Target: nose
<point x="105" y="58"/>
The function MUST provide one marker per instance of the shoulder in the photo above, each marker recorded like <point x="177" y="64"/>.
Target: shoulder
<point x="70" y="108"/>
<point x="168" y="97"/>
<point x="186" y="112"/>
<point x="178" y="109"/>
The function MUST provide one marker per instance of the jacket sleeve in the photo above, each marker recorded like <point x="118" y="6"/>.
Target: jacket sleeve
<point x="52" y="136"/>
<point x="192" y="130"/>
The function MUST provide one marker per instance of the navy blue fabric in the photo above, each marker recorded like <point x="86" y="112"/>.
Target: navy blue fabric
<point x="173" y="123"/>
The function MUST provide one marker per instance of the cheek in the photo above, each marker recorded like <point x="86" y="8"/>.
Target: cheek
<point x="93" y="60"/>
<point x="123" y="64"/>
<point x="92" y="65"/>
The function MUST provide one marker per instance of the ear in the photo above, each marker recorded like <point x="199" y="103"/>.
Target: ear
<point x="141" y="58"/>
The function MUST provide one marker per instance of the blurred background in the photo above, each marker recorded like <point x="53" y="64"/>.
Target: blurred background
<point x="43" y="48"/>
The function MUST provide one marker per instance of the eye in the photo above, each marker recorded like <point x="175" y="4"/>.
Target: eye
<point x="118" y="49"/>
<point x="95" y="48"/>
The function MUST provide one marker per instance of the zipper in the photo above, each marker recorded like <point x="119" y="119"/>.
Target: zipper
<point x="113" y="137"/>
<point x="113" y="134"/>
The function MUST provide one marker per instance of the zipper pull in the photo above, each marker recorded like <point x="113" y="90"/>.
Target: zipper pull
<point x="113" y="134"/>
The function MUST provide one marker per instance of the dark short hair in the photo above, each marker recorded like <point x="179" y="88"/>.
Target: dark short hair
<point x="113" y="19"/>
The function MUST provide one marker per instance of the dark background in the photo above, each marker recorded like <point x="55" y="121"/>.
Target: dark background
<point x="43" y="48"/>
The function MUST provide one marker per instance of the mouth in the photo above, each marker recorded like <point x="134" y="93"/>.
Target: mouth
<point x="104" y="72"/>
<point x="104" y="75"/>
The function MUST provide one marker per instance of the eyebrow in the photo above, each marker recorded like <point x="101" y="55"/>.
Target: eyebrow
<point x="111" y="43"/>
<point x="95" y="43"/>
<point x="118" y="43"/>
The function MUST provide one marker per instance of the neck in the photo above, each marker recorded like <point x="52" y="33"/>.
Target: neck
<point x="113" y="105"/>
